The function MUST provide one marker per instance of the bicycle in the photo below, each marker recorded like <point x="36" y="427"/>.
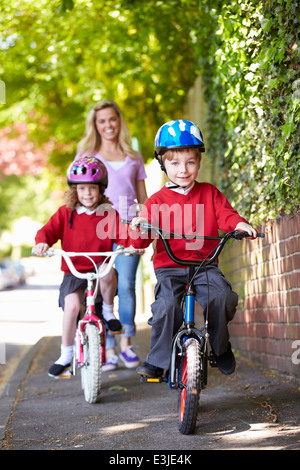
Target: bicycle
<point x="89" y="350"/>
<point x="190" y="351"/>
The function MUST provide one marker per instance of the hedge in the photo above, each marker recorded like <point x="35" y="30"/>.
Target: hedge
<point x="248" y="54"/>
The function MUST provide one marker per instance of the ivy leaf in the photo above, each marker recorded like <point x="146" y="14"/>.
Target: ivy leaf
<point x="288" y="127"/>
<point x="118" y="387"/>
<point x="266" y="24"/>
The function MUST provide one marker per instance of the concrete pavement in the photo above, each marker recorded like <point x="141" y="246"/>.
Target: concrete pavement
<point x="250" y="410"/>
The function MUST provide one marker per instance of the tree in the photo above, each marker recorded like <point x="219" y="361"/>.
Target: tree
<point x="59" y="58"/>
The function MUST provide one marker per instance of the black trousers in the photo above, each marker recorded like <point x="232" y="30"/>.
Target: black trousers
<point x="167" y="316"/>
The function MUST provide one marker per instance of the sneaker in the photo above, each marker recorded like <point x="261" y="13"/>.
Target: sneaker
<point x="129" y="357"/>
<point x="111" y="363"/>
<point x="149" y="370"/>
<point x="57" y="369"/>
<point x="226" y="361"/>
<point x="114" y="326"/>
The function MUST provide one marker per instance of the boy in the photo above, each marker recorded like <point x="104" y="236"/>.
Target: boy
<point x="185" y="205"/>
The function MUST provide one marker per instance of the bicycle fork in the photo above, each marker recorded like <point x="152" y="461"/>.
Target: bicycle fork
<point x="89" y="317"/>
<point x="178" y="349"/>
<point x="188" y="331"/>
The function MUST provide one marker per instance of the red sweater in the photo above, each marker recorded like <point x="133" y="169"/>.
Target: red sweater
<point x="89" y="233"/>
<point x="203" y="211"/>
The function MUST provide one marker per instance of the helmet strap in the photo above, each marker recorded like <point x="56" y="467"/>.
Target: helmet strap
<point x="71" y="218"/>
<point x="175" y="185"/>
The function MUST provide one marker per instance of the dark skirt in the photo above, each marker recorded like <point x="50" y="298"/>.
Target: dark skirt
<point x="69" y="285"/>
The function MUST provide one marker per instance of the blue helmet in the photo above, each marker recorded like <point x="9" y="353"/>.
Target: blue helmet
<point x="177" y="134"/>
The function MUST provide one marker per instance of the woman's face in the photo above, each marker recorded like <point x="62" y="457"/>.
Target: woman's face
<point x="108" y="124"/>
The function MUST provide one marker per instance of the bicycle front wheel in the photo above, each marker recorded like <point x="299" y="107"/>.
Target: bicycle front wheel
<point x="91" y="370"/>
<point x="189" y="386"/>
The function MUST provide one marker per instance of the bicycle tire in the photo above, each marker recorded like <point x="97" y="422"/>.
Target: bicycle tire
<point x="91" y="369"/>
<point x="190" y="385"/>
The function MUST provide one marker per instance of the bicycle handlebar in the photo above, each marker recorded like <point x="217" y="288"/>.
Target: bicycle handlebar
<point x="236" y="234"/>
<point x="120" y="250"/>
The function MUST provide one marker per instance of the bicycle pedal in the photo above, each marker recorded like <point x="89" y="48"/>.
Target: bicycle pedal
<point x="157" y="380"/>
<point x="119" y="332"/>
<point x="67" y="374"/>
<point x="212" y="360"/>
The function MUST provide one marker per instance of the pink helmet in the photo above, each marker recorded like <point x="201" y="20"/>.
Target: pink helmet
<point x="87" y="170"/>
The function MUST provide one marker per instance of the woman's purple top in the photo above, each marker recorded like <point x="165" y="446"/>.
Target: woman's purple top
<point x="121" y="190"/>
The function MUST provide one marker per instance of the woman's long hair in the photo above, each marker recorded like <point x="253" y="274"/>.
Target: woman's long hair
<point x="91" y="141"/>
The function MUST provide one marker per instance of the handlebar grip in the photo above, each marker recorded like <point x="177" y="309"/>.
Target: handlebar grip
<point x="49" y="252"/>
<point x="239" y="234"/>
<point x="142" y="225"/>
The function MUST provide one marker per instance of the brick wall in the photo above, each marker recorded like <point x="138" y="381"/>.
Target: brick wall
<point x="266" y="275"/>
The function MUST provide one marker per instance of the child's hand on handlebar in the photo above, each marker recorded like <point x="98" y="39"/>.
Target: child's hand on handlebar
<point x="41" y="248"/>
<point x="243" y="227"/>
<point x="136" y="221"/>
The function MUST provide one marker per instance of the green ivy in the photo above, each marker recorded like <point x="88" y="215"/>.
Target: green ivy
<point x="250" y="68"/>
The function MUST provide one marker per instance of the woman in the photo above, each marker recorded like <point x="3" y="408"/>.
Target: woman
<point x="107" y="138"/>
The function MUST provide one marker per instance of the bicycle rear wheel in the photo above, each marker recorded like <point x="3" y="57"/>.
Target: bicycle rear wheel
<point x="190" y="384"/>
<point x="91" y="370"/>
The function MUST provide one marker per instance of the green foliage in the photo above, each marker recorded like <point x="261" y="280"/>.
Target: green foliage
<point x="59" y="57"/>
<point x="29" y="196"/>
<point x="252" y="87"/>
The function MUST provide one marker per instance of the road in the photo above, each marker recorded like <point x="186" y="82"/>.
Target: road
<point x="250" y="410"/>
<point x="29" y="312"/>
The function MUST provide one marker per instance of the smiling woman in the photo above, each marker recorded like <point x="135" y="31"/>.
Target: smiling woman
<point x="107" y="138"/>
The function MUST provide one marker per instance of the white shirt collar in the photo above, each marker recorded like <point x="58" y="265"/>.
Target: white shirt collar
<point x="180" y="190"/>
<point x="80" y="209"/>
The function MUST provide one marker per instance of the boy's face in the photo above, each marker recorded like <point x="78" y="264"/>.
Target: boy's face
<point x="183" y="167"/>
<point x="88" y="195"/>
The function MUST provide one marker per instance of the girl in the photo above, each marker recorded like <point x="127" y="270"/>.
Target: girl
<point x="77" y="224"/>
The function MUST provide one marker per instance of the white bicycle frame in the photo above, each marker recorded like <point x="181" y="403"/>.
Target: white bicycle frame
<point x="91" y="290"/>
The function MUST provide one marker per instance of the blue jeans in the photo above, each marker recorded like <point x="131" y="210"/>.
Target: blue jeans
<point x="126" y="267"/>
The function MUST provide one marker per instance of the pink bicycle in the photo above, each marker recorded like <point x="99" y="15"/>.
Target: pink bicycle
<point x="89" y="350"/>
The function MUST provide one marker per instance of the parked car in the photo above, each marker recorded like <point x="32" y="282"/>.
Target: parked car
<point x="6" y="277"/>
<point x="12" y="273"/>
<point x="20" y="272"/>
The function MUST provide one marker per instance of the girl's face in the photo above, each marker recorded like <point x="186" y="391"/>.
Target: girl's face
<point x="88" y="195"/>
<point x="108" y="124"/>
<point x="183" y="168"/>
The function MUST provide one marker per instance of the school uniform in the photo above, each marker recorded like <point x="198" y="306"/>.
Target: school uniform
<point x="200" y="210"/>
